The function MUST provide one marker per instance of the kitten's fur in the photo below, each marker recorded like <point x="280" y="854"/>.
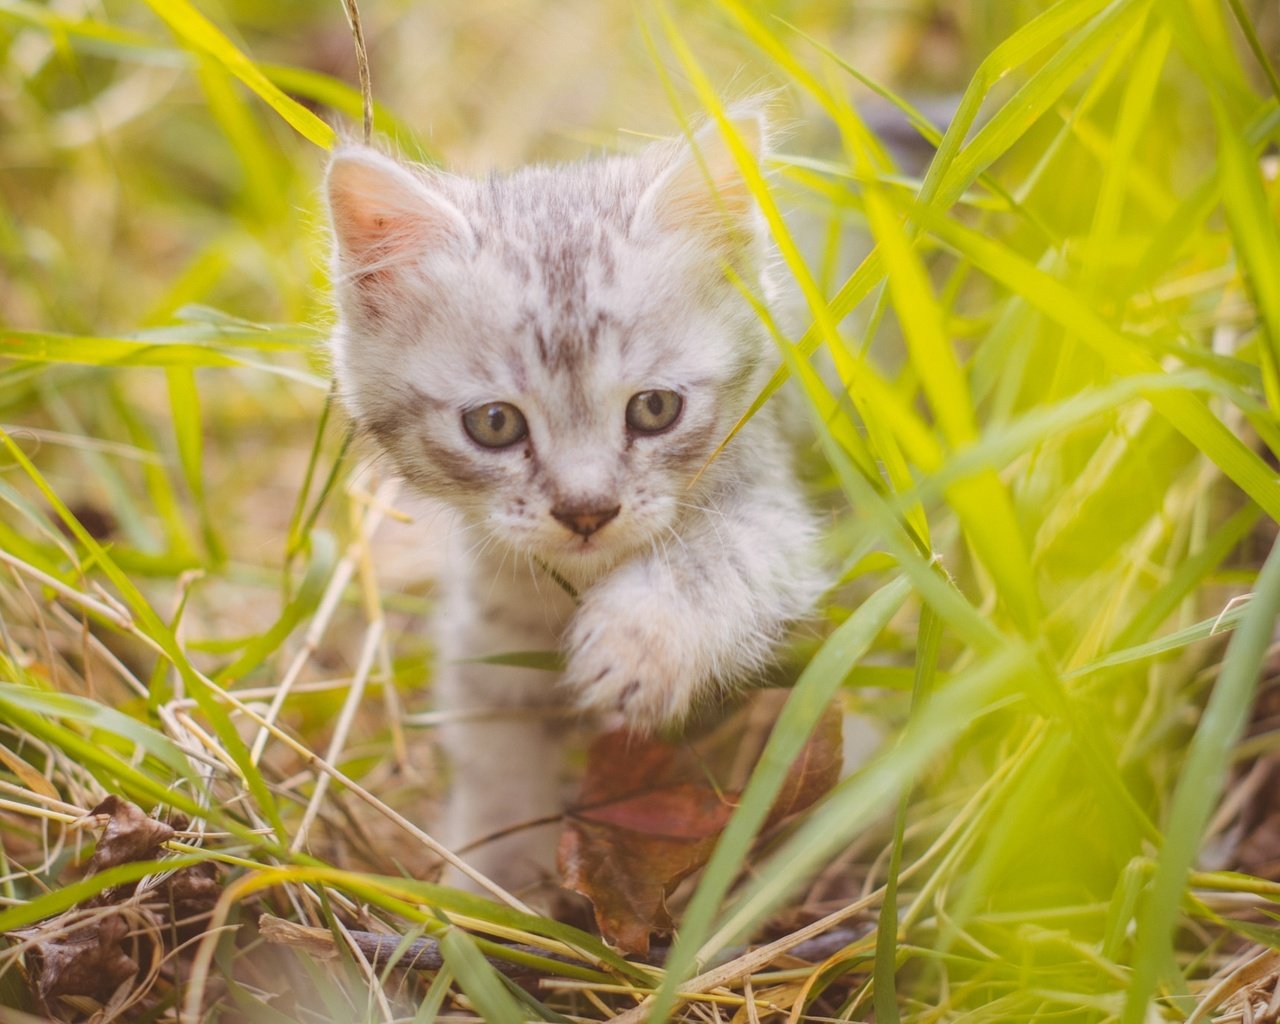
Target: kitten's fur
<point x="565" y="291"/>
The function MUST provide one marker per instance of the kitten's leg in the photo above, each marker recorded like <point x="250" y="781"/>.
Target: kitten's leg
<point x="504" y="728"/>
<point x="685" y="623"/>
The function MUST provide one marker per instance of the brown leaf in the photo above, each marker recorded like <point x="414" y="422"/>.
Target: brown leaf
<point x="130" y="835"/>
<point x="91" y="950"/>
<point x="650" y="811"/>
<point x="815" y="771"/>
<point x="89" y="962"/>
<point x="191" y="892"/>
<point x="621" y="765"/>
<point x="681" y="811"/>
<point x="628" y="876"/>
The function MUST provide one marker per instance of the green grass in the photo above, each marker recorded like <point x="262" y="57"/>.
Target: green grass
<point x="1043" y="372"/>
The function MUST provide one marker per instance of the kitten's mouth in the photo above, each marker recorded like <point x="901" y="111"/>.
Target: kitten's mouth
<point x="584" y="545"/>
<point x="585" y="548"/>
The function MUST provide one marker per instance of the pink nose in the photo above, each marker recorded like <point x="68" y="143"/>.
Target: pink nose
<point x="584" y="521"/>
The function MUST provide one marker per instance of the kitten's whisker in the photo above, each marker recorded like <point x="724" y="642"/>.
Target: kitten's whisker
<point x="659" y="538"/>
<point x="715" y="518"/>
<point x="502" y="565"/>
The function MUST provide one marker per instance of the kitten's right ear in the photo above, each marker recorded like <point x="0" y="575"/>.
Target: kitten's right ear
<point x="703" y="189"/>
<point x="383" y="214"/>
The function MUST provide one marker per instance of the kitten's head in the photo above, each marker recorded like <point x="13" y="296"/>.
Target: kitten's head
<point x="555" y="352"/>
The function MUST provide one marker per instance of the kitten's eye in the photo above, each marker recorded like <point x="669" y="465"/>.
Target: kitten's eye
<point x="495" y="425"/>
<point x="651" y="412"/>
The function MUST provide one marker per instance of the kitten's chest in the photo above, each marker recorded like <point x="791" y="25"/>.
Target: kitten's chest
<point x="497" y="602"/>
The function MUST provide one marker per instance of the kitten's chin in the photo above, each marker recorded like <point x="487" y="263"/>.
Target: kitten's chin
<point x="583" y="560"/>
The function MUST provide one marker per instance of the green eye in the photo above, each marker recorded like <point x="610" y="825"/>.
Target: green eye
<point x="651" y="412"/>
<point x="495" y="425"/>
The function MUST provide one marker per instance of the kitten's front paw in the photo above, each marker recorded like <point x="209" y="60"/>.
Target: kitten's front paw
<point x="632" y="659"/>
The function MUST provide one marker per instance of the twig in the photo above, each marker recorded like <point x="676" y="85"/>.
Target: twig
<point x="362" y="66"/>
<point x="749" y="962"/>
<point x="423" y="954"/>
<point x="121" y="619"/>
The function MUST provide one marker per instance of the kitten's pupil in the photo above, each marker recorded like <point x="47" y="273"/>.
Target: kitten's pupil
<point x="652" y="412"/>
<point x="495" y="425"/>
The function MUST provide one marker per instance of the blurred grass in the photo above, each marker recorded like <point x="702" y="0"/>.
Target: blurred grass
<point x="1035" y="247"/>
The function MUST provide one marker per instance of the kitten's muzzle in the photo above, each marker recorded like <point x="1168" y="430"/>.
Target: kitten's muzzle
<point x="584" y="521"/>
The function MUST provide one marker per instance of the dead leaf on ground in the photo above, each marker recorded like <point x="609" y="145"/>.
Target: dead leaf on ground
<point x="650" y="812"/>
<point x="190" y="893"/>
<point x="116" y="936"/>
<point x="90" y="961"/>
<point x="130" y="835"/>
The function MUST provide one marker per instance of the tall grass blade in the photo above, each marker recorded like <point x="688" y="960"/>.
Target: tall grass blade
<point x="1255" y="45"/>
<point x="1257" y="239"/>
<point x="477" y="978"/>
<point x="928" y="639"/>
<point x="981" y="501"/>
<point x="813" y="690"/>
<point x="1199" y="785"/>
<point x="184" y="407"/>
<point x="200" y="34"/>
<point x="52" y="903"/>
<point x="1122" y="356"/>
<point x="951" y="710"/>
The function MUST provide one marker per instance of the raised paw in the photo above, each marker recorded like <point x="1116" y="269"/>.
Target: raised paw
<point x="635" y="662"/>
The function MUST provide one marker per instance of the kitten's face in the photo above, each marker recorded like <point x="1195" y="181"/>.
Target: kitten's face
<point x="556" y="353"/>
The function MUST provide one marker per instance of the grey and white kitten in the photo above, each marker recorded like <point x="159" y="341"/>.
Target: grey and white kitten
<point x="555" y="354"/>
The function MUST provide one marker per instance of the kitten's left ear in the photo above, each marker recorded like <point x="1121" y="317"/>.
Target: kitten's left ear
<point x="703" y="189"/>
<point x="383" y="213"/>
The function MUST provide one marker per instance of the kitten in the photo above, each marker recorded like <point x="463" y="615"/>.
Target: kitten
<point x="555" y="354"/>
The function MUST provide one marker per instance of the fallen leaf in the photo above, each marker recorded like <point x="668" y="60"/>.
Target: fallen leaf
<point x="130" y="835"/>
<point x="90" y="961"/>
<point x="93" y="949"/>
<point x="681" y="810"/>
<point x="628" y="876"/>
<point x="650" y="811"/>
<point x="191" y="892"/>
<point x="815" y="771"/>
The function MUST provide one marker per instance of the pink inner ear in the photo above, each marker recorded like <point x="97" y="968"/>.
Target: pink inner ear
<point x="380" y="211"/>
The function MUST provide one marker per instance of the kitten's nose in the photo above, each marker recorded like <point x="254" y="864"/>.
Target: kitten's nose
<point x="584" y="520"/>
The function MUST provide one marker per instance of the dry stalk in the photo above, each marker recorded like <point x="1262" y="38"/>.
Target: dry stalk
<point x="341" y="577"/>
<point x="751" y="962"/>
<point x="112" y="614"/>
<point x="373" y="637"/>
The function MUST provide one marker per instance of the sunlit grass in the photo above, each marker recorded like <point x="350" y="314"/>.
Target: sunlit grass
<point x="1044" y="416"/>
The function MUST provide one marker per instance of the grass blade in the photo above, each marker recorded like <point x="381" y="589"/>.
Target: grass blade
<point x="200" y="34"/>
<point x="848" y="809"/>
<point x="1199" y="784"/>
<point x="813" y="690"/>
<point x="929" y="636"/>
<point x="1184" y="412"/>
<point x="477" y="978"/>
<point x="184" y="406"/>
